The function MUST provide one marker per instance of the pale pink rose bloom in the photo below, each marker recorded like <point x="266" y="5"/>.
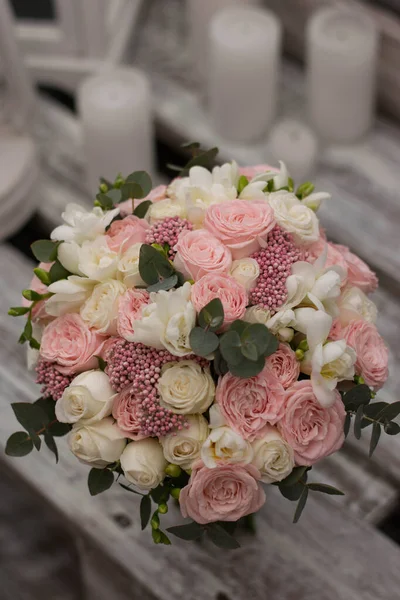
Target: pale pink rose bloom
<point x="241" y="225"/>
<point x="284" y="365"/>
<point x="336" y="332"/>
<point x="251" y="172"/>
<point x="199" y="252"/>
<point x="226" y="493"/>
<point x="126" y="412"/>
<point x="333" y="256"/>
<point x="157" y="194"/>
<point x="108" y="346"/>
<point x="232" y="294"/>
<point x="39" y="311"/>
<point x="126" y="232"/>
<point x="372" y="352"/>
<point x="70" y="343"/>
<point x="248" y="405"/>
<point x="359" y="273"/>
<point x="129" y="310"/>
<point x="311" y="430"/>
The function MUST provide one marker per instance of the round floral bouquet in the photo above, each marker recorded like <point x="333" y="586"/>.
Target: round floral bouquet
<point x="201" y="342"/>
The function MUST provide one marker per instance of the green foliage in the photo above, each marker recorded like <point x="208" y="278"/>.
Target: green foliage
<point x="102" y="363"/>
<point x="221" y="537"/>
<point x="211" y="316"/>
<point x="43" y="276"/>
<point x="137" y="185"/>
<point x="305" y="189"/>
<point x="50" y="443"/>
<point x="164" y="284"/>
<point x="375" y="435"/>
<point x="203" y="342"/>
<point x="324" y="489"/>
<point x="104" y="201"/>
<point x="145" y="511"/>
<point x="129" y="489"/>
<point x="99" y="481"/>
<point x="242" y="183"/>
<point x="154" y="265"/>
<point x="358" y="395"/>
<point x="301" y="504"/>
<point x="141" y="210"/>
<point x="18" y="311"/>
<point x="189" y="531"/>
<point x="19" y="444"/>
<point x="200" y="158"/>
<point x="45" y="250"/>
<point x="57" y="272"/>
<point x="32" y="418"/>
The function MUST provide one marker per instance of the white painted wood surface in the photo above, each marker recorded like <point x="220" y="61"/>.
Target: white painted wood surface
<point x="330" y="555"/>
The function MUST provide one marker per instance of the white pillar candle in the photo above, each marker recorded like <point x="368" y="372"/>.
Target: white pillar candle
<point x="117" y="127"/>
<point x="295" y="144"/>
<point x="342" y="48"/>
<point x="242" y="78"/>
<point x="200" y="13"/>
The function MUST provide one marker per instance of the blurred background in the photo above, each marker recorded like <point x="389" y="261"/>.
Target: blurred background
<point x="89" y="88"/>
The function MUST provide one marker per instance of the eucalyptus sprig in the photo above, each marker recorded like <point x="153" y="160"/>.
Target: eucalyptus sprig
<point x="200" y="158"/>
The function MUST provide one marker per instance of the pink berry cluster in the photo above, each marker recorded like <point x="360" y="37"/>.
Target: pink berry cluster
<point x="167" y="232"/>
<point x="275" y="263"/>
<point x="52" y="381"/>
<point x="130" y="363"/>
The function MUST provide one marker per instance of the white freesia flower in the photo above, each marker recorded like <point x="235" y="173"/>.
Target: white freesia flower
<point x="280" y="178"/>
<point x="183" y="447"/>
<point x="69" y="295"/>
<point x="253" y="191"/>
<point x="100" y="310"/>
<point x="143" y="463"/>
<point x="314" y="200"/>
<point x="246" y="272"/>
<point x="97" y="261"/>
<point x="88" y="398"/>
<point x="97" y="444"/>
<point x="215" y="417"/>
<point x="225" y="445"/>
<point x="185" y="387"/>
<point x="128" y="267"/>
<point x="82" y="224"/>
<point x="257" y="314"/>
<point x="281" y="320"/>
<point x="166" y="208"/>
<point x="294" y="217"/>
<point x="68" y="255"/>
<point x="273" y="456"/>
<point x="167" y="321"/>
<point x="354" y="304"/>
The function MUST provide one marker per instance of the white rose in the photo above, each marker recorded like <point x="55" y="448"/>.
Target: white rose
<point x="167" y="321"/>
<point x="82" y="224"/>
<point x="273" y="456"/>
<point x="100" y="310"/>
<point x="295" y="217"/>
<point x="225" y="445"/>
<point x="97" y="444"/>
<point x="88" y="398"/>
<point x="354" y="304"/>
<point x="143" y="463"/>
<point x="97" y="261"/>
<point x="128" y="267"/>
<point x="68" y="255"/>
<point x="166" y="208"/>
<point x="246" y="272"/>
<point x="183" y="447"/>
<point x="185" y="387"/>
<point x="69" y="295"/>
<point x="257" y="314"/>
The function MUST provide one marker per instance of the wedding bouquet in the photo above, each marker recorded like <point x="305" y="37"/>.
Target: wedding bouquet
<point x="201" y="341"/>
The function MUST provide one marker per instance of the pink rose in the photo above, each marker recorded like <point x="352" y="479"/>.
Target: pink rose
<point x="248" y="405"/>
<point x="225" y="493"/>
<point x="251" y="172"/>
<point x="126" y="412"/>
<point x="129" y="310"/>
<point x="232" y="294"/>
<point x="372" y="353"/>
<point x="126" y="232"/>
<point x="359" y="273"/>
<point x="159" y="193"/>
<point x="333" y="257"/>
<point x="284" y="365"/>
<point x="39" y="311"/>
<point x="241" y="225"/>
<point x="312" y="431"/>
<point x="199" y="252"/>
<point x="336" y="332"/>
<point x="70" y="343"/>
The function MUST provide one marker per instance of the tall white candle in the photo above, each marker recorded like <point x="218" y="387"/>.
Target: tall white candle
<point x="117" y="127"/>
<point x="200" y="13"/>
<point x="342" y="48"/>
<point x="242" y="78"/>
<point x="294" y="143"/>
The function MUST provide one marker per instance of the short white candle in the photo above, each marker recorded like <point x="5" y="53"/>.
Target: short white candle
<point x="294" y="143"/>
<point x="200" y="13"/>
<point x="117" y="127"/>
<point x="342" y="48"/>
<point x="242" y="78"/>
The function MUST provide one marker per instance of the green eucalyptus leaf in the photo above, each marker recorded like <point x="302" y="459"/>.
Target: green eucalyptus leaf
<point x="145" y="511"/>
<point x="357" y="396"/>
<point x="203" y="342"/>
<point x="219" y="363"/>
<point x="191" y="146"/>
<point x="51" y="444"/>
<point x="375" y="435"/>
<point x="292" y="492"/>
<point x="372" y="410"/>
<point x="239" y="326"/>
<point x="104" y="201"/>
<point x="34" y="344"/>
<point x="45" y="250"/>
<point x="249" y="351"/>
<point x="188" y="532"/>
<point x="142" y="208"/>
<point x="153" y="265"/>
<point x="57" y="272"/>
<point x="247" y="368"/>
<point x="392" y="428"/>
<point x="221" y="538"/>
<point x="99" y="481"/>
<point x="265" y="342"/>
<point x="115" y="196"/>
<point x="212" y="315"/>
<point x="231" y="347"/>
<point x="295" y="476"/>
<point x="324" y="489"/>
<point x="19" y="444"/>
<point x="347" y="423"/>
<point x="137" y="185"/>
<point x="204" y="159"/>
<point x="301" y="504"/>
<point x="391" y="411"/>
<point x="31" y="416"/>
<point x="164" y="284"/>
<point x="357" y="421"/>
<point x="129" y="489"/>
